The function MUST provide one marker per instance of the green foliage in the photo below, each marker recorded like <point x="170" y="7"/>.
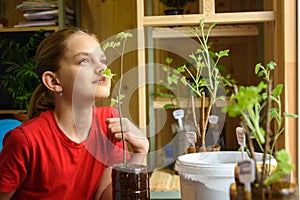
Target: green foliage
<point x="201" y="77"/>
<point x="254" y="104"/>
<point x="284" y="167"/>
<point x="191" y="74"/>
<point x="18" y="62"/>
<point x="247" y="103"/>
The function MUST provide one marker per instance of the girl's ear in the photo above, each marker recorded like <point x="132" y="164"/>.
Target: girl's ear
<point x="51" y="81"/>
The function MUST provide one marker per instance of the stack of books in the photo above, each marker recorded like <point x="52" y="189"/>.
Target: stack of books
<point x="43" y="13"/>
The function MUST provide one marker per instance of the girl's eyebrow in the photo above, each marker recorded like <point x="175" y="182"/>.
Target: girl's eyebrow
<point x="102" y="55"/>
<point x="82" y="54"/>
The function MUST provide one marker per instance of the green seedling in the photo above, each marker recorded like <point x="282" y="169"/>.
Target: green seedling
<point x="259" y="106"/>
<point x="120" y="43"/>
<point x="107" y="73"/>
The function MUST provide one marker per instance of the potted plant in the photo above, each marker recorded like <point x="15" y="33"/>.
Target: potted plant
<point x="18" y="63"/>
<point x="203" y="78"/>
<point x="129" y="180"/>
<point x="260" y="109"/>
<point x="175" y="6"/>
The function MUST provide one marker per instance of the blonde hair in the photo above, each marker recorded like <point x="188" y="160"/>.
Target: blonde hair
<point x="48" y="56"/>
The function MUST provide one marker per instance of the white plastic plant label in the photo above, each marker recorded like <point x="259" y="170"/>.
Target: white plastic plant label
<point x="240" y="135"/>
<point x="179" y="114"/>
<point x="241" y="138"/>
<point x="191" y="137"/>
<point x="213" y="119"/>
<point x="246" y="171"/>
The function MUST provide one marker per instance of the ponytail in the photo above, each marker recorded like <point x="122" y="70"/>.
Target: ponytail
<point x="41" y="100"/>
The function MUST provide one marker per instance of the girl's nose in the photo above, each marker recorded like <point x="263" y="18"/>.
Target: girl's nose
<point x="101" y="69"/>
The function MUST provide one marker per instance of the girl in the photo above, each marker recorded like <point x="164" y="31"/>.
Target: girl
<point x="67" y="147"/>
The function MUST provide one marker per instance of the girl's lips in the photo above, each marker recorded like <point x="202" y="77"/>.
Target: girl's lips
<point x="101" y="80"/>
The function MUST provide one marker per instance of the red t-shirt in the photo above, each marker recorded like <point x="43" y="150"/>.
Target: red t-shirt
<point x="40" y="162"/>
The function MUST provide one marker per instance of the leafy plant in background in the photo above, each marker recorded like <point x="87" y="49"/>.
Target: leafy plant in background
<point x="167" y="87"/>
<point x="18" y="62"/>
<point x="260" y="107"/>
<point x="204" y="88"/>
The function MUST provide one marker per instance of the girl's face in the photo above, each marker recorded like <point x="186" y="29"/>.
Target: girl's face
<point x="81" y="67"/>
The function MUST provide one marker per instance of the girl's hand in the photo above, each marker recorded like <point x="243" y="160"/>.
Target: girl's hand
<point x="133" y="135"/>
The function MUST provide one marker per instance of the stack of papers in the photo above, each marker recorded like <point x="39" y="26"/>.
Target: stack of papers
<point x="37" y="5"/>
<point x="41" y="13"/>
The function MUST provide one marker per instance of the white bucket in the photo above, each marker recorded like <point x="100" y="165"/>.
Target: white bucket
<point x="207" y="175"/>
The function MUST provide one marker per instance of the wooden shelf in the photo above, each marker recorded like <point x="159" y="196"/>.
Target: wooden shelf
<point x="11" y="111"/>
<point x="28" y="29"/>
<point x="218" y="31"/>
<point x="220" y="18"/>
<point x="159" y="102"/>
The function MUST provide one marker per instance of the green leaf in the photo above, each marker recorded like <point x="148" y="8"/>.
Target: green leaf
<point x="290" y="115"/>
<point x="213" y="25"/>
<point x="223" y="53"/>
<point x="273" y="113"/>
<point x="183" y="80"/>
<point x="201" y="22"/>
<point x="202" y="82"/>
<point x="257" y="69"/>
<point x="168" y="106"/>
<point x="168" y="60"/>
<point x="172" y="79"/>
<point x="105" y="46"/>
<point x="107" y="73"/>
<point x="124" y="35"/>
<point x="166" y="69"/>
<point x="271" y="65"/>
<point x="181" y="69"/>
<point x="276" y="92"/>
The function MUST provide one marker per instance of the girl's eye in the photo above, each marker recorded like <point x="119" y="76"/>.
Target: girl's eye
<point x="103" y="62"/>
<point x="85" y="61"/>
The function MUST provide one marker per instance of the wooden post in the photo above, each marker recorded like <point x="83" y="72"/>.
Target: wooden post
<point x="208" y="6"/>
<point x="286" y="73"/>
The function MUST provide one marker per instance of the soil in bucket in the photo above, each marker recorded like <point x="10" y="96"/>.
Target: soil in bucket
<point x="130" y="182"/>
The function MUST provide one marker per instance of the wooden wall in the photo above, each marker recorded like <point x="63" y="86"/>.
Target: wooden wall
<point x="106" y="18"/>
